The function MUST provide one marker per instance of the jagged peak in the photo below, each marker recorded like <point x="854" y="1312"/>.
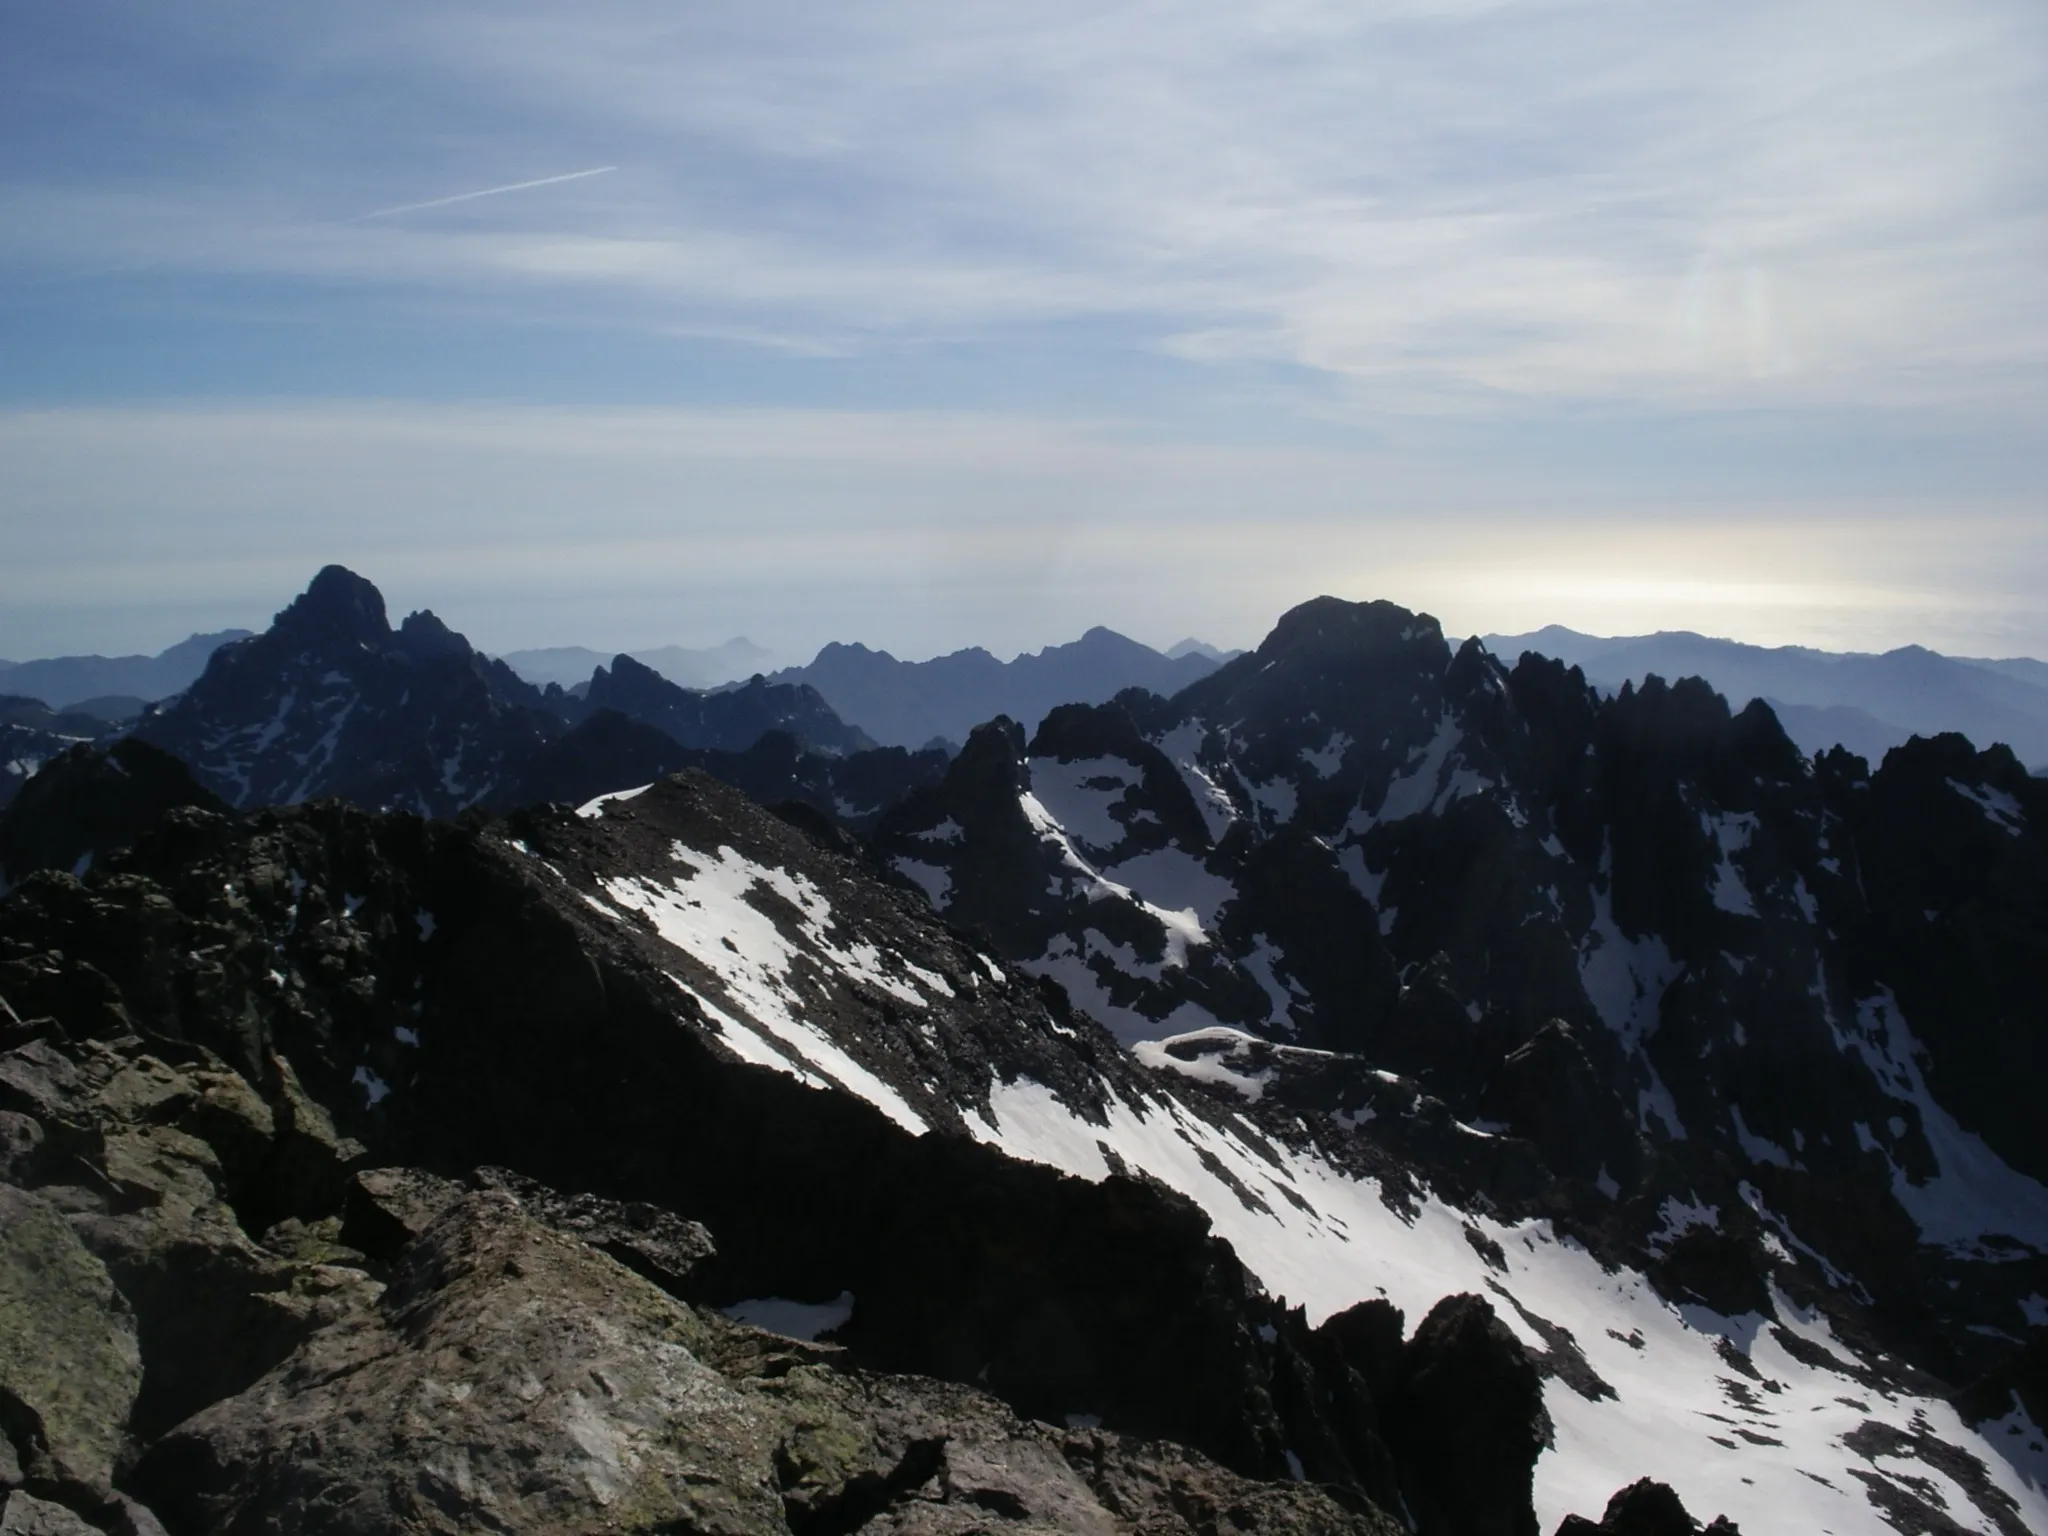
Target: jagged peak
<point x="338" y="605"/>
<point x="1337" y="624"/>
<point x="423" y="635"/>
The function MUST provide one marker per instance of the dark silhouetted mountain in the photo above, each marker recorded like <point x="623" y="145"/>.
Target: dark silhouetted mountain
<point x="569" y="665"/>
<point x="726" y="720"/>
<point x="64" y="681"/>
<point x="911" y="703"/>
<point x="33" y="734"/>
<point x="331" y="700"/>
<point x="1906" y="692"/>
<point x="112" y="708"/>
<point x="90" y="802"/>
<point x="1193" y="647"/>
<point x="608" y="752"/>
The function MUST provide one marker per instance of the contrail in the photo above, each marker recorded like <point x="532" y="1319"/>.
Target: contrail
<point x="464" y="197"/>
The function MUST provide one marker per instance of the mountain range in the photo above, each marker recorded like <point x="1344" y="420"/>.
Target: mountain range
<point x="332" y="700"/>
<point x="1375" y="1087"/>
<point x="67" y="682"/>
<point x="914" y="703"/>
<point x="570" y="665"/>
<point x="1868" y="703"/>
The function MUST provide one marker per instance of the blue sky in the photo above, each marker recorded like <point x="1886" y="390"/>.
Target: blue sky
<point x="943" y="324"/>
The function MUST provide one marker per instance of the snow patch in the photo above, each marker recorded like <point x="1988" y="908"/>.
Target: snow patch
<point x="591" y="810"/>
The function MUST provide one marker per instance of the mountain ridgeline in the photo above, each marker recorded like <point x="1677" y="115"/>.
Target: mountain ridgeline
<point x="1867" y="703"/>
<point x="333" y="701"/>
<point x="913" y="703"/>
<point x="1371" y="1087"/>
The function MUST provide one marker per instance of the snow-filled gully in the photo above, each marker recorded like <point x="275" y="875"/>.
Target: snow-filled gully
<point x="1770" y="1440"/>
<point x="1720" y="1408"/>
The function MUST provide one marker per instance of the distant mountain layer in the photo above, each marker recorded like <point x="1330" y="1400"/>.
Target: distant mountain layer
<point x="62" y="681"/>
<point x="569" y="665"/>
<point x="332" y="700"/>
<point x="1868" y="703"/>
<point x="909" y="703"/>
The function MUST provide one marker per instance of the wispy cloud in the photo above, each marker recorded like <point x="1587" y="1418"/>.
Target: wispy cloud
<point x="470" y="197"/>
<point x="1442" y="206"/>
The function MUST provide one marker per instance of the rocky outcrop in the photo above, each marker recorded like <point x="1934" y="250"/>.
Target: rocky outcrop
<point x="88" y="803"/>
<point x="70" y="1368"/>
<point x="1469" y="1421"/>
<point x="1644" y="1508"/>
<point x="512" y="1378"/>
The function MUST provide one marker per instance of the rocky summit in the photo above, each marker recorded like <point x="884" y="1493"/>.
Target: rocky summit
<point x="332" y="701"/>
<point x="1379" y="1088"/>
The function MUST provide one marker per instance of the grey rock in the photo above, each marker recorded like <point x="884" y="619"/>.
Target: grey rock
<point x="26" y="1515"/>
<point x="70" y="1367"/>
<point x="514" y="1379"/>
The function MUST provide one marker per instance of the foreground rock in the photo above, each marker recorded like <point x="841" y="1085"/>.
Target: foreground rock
<point x="512" y="1378"/>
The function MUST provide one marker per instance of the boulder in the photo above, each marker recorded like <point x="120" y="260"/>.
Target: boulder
<point x="23" y="1514"/>
<point x="513" y="1378"/>
<point x="70" y="1366"/>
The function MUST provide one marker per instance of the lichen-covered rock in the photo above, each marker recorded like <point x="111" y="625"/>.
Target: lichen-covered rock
<point x="512" y="1378"/>
<point x="70" y="1368"/>
<point x="22" y="1514"/>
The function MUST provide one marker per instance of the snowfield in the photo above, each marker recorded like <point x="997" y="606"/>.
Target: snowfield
<point x="1777" y="1442"/>
<point x="1775" y="1424"/>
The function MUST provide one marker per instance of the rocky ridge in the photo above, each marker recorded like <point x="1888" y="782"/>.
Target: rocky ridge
<point x="677" y="1008"/>
<point x="226" y="1048"/>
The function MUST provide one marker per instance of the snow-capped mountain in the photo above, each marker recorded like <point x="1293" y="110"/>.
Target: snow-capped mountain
<point x="671" y="997"/>
<point x="1430" y="1086"/>
<point x="331" y="700"/>
<point x="1705" y="981"/>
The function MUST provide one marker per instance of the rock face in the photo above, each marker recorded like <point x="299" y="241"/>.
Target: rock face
<point x="70" y="1368"/>
<point x="1644" y="1508"/>
<point x="512" y="1378"/>
<point x="1471" y="1421"/>
<point x="331" y="700"/>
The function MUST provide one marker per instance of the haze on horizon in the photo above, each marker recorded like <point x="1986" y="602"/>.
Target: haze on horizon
<point x="943" y="325"/>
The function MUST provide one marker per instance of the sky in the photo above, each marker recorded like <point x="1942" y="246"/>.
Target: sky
<point x="941" y="324"/>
